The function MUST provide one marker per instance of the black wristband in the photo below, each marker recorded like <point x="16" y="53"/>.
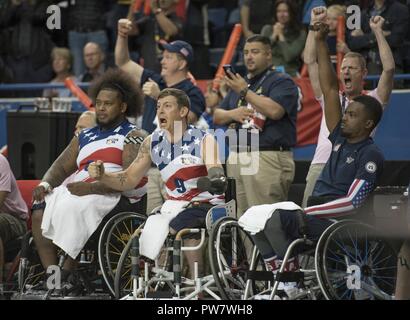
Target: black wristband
<point x="242" y="93"/>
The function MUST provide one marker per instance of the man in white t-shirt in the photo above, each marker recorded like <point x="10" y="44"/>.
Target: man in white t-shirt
<point x="352" y="74"/>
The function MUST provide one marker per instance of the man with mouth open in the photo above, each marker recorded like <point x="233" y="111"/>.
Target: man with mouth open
<point x="183" y="154"/>
<point x="352" y="74"/>
<point x="175" y="62"/>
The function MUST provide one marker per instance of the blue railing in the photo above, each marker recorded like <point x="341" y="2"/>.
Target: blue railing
<point x="85" y="85"/>
<point x="38" y="86"/>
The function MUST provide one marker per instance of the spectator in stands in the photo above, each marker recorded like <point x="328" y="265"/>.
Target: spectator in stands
<point x="62" y="61"/>
<point x="287" y="37"/>
<point x="403" y="273"/>
<point x="396" y="17"/>
<point x="26" y="46"/>
<point x="343" y="186"/>
<point x="86" y="120"/>
<point x="162" y="24"/>
<point x="13" y="212"/>
<point x="87" y="21"/>
<point x="255" y="14"/>
<point x="94" y="60"/>
<point x="174" y="74"/>
<point x="352" y="73"/>
<point x="65" y="218"/>
<point x="264" y="104"/>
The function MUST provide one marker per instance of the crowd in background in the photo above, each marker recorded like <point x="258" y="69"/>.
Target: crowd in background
<point x="84" y="46"/>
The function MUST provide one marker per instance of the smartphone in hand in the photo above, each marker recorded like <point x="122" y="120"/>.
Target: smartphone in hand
<point x="227" y="67"/>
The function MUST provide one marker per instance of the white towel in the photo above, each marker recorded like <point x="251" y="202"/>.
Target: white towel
<point x="156" y="228"/>
<point x="70" y="220"/>
<point x="254" y="219"/>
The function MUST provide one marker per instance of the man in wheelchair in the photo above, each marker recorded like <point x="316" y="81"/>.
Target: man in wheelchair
<point x="65" y="215"/>
<point x="185" y="156"/>
<point x="350" y="175"/>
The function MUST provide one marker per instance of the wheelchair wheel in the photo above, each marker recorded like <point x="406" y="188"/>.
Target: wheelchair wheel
<point x="123" y="283"/>
<point x="113" y="239"/>
<point x="354" y="263"/>
<point x="232" y="255"/>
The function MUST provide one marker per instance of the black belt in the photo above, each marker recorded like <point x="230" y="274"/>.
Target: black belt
<point x="267" y="148"/>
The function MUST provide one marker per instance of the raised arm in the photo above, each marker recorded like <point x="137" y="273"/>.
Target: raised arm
<point x="385" y="85"/>
<point x="327" y="79"/>
<point x="126" y="179"/>
<point x="122" y="56"/>
<point x="318" y="14"/>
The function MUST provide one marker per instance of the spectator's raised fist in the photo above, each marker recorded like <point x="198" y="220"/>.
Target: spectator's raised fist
<point x="376" y="23"/>
<point x="96" y="169"/>
<point x="318" y="14"/>
<point x="124" y="27"/>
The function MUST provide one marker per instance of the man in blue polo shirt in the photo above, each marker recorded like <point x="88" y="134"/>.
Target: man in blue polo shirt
<point x="177" y="57"/>
<point x="349" y="176"/>
<point x="263" y="105"/>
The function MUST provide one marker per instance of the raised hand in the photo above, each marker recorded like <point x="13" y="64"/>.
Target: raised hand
<point x="318" y="14"/>
<point x="96" y="169"/>
<point x="124" y="27"/>
<point x="376" y="23"/>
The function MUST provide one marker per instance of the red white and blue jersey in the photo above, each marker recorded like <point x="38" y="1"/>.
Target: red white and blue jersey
<point x="108" y="147"/>
<point x="181" y="165"/>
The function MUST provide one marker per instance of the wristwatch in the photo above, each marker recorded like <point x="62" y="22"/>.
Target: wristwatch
<point x="242" y="93"/>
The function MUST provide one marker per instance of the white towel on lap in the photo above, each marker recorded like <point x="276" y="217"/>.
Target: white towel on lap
<point x="70" y="220"/>
<point x="156" y="228"/>
<point x="254" y="219"/>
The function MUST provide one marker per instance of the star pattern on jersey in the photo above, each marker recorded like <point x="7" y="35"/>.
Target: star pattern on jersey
<point x="185" y="148"/>
<point x="362" y="194"/>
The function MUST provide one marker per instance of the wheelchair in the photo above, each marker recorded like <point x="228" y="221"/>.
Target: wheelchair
<point x="352" y="260"/>
<point x="97" y="261"/>
<point x="140" y="278"/>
